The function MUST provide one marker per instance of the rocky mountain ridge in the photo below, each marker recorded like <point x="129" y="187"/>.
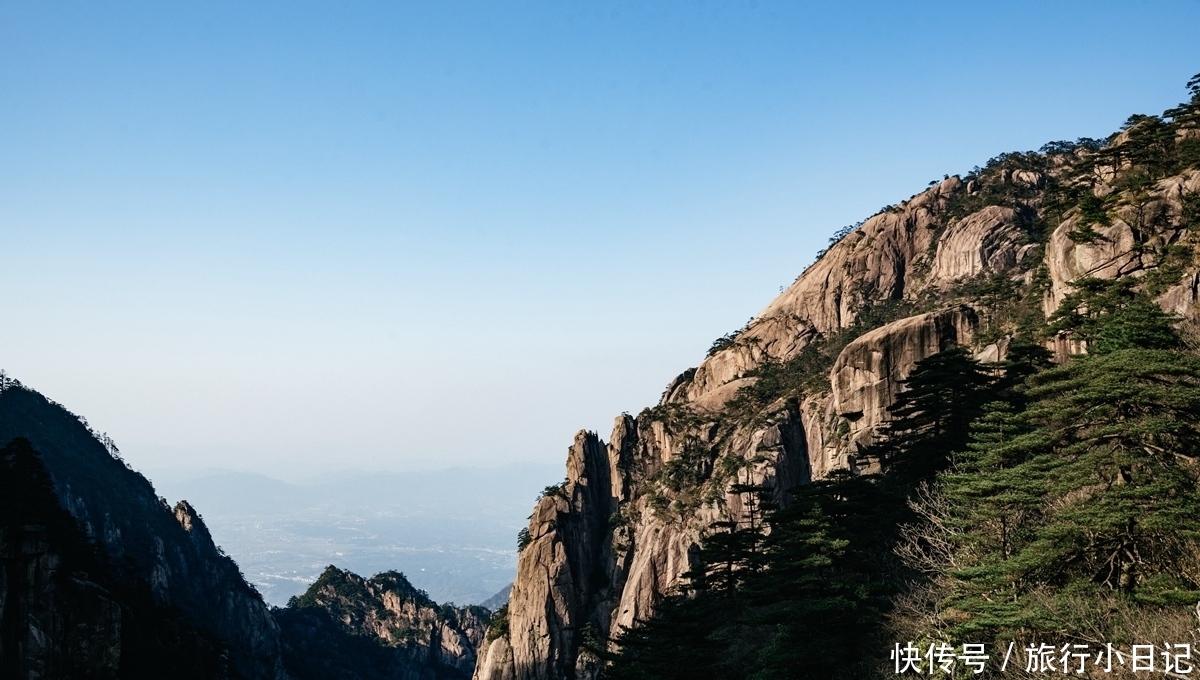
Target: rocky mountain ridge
<point x="378" y="627"/>
<point x="973" y="260"/>
<point x="66" y="611"/>
<point x="100" y="577"/>
<point x="144" y="539"/>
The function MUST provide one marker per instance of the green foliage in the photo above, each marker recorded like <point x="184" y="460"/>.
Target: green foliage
<point x="1067" y="147"/>
<point x="726" y="340"/>
<point x="804" y="601"/>
<point x="1058" y="487"/>
<point x="1153" y="146"/>
<point x="722" y="342"/>
<point x="687" y="469"/>
<point x="841" y="234"/>
<point x="682" y="642"/>
<point x="341" y="627"/>
<point x="930" y="418"/>
<point x="733" y="551"/>
<point x="1017" y="500"/>
<point x="1092" y="485"/>
<point x="1190" y="213"/>
<point x="1150" y="146"/>
<point x="498" y="627"/>
<point x="1077" y="494"/>
<point x="828" y="580"/>
<point x="686" y="638"/>
<point x="1009" y="307"/>
<point x="343" y="584"/>
<point x="1113" y="315"/>
<point x="554" y="491"/>
<point x="676" y="418"/>
<point x="808" y="371"/>
<point x="397" y="583"/>
<point x="524" y="538"/>
<point x="1092" y="213"/>
<point x="1173" y="262"/>
<point x="349" y="597"/>
<point x="683" y="483"/>
<point x="1188" y="153"/>
<point x="316" y="645"/>
<point x="992" y="185"/>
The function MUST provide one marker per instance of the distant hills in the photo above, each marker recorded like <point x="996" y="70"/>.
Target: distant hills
<point x="452" y="531"/>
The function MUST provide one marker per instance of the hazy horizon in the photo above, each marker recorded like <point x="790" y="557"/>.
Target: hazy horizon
<point x="451" y="531"/>
<point x="320" y="474"/>
<point x="302" y="237"/>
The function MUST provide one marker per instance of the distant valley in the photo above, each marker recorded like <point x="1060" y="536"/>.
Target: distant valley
<point x="452" y="532"/>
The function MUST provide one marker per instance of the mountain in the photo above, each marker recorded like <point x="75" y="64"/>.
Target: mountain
<point x="809" y="388"/>
<point x="893" y="418"/>
<point x="346" y="626"/>
<point x="103" y="524"/>
<point x="495" y="602"/>
<point x="65" y="610"/>
<point x="102" y="578"/>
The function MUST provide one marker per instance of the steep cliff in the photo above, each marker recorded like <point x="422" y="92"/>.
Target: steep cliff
<point x="144" y="538"/>
<point x="794" y="395"/>
<point x="347" y="626"/>
<point x="65" y="612"/>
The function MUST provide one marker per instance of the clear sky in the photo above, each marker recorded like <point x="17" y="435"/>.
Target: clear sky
<point x="292" y="237"/>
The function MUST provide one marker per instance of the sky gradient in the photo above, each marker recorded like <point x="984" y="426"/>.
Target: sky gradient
<point x="297" y="237"/>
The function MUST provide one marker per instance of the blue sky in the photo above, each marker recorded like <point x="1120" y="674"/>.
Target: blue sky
<point x="294" y="237"/>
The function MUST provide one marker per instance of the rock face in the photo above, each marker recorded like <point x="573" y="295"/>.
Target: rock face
<point x="168" y="549"/>
<point x="1110" y="255"/>
<point x="870" y="265"/>
<point x="601" y="554"/>
<point x="349" y="626"/>
<point x="893" y="256"/>
<point x="1130" y="245"/>
<point x="64" y="612"/>
<point x="986" y="241"/>
<point x="866" y="376"/>
<point x="565" y="559"/>
<point x="797" y="392"/>
<point x="71" y="625"/>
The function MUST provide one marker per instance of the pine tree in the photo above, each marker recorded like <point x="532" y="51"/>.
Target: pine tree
<point x="681" y="642"/>
<point x="733" y="550"/>
<point x="1111" y="315"/>
<point x="827" y="584"/>
<point x="809" y="597"/>
<point x="931" y="417"/>
<point x="1088" y="479"/>
<point x="690" y="634"/>
<point x="998" y="499"/>
<point x="1123" y="430"/>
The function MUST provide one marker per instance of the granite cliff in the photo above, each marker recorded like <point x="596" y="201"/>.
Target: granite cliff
<point x="794" y="395"/>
